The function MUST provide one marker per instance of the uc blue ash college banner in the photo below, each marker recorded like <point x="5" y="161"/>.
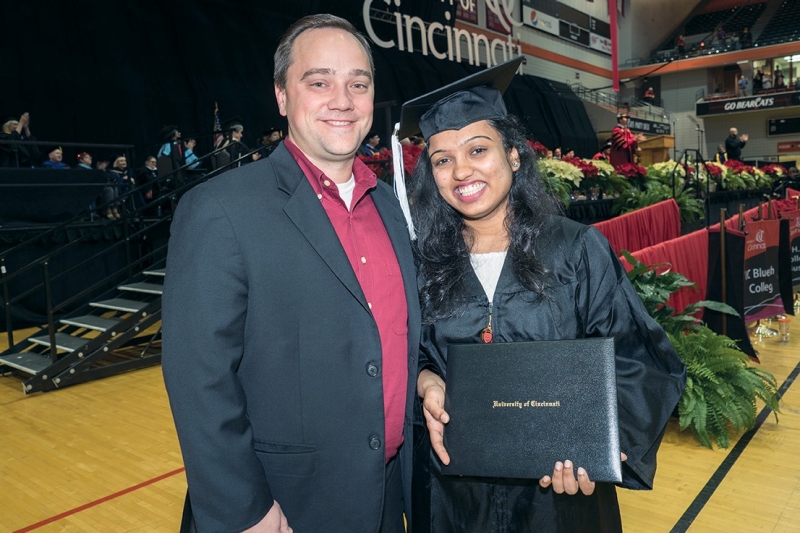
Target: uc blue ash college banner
<point x="762" y="297"/>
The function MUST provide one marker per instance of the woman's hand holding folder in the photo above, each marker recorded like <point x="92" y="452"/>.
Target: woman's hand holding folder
<point x="431" y="387"/>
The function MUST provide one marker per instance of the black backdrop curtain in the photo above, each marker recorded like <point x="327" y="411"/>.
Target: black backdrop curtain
<point x="116" y="72"/>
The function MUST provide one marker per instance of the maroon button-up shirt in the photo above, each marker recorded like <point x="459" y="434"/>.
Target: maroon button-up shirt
<point x="367" y="245"/>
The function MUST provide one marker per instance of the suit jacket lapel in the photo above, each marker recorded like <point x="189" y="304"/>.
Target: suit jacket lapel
<point x="305" y="211"/>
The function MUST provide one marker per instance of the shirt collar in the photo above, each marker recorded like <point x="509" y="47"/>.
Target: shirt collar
<point x="365" y="178"/>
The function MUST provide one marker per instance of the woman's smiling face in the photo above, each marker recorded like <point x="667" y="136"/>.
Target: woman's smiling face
<point x="473" y="171"/>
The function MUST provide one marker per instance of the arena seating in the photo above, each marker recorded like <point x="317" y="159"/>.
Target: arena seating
<point x="784" y="26"/>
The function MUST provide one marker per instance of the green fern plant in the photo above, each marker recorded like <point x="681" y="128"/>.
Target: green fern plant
<point x="721" y="387"/>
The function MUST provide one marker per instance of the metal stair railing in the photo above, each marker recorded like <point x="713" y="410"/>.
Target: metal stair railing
<point x="75" y="366"/>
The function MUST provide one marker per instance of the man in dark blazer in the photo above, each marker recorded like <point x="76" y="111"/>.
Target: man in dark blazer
<point x="291" y="317"/>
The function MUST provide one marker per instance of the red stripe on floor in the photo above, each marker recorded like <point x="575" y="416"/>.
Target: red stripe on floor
<point x="89" y="505"/>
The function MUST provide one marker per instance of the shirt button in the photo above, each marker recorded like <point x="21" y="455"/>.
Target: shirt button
<point x="319" y="196"/>
<point x="372" y="370"/>
<point x="369" y="304"/>
<point x="326" y="183"/>
<point x="363" y="259"/>
<point x="375" y="443"/>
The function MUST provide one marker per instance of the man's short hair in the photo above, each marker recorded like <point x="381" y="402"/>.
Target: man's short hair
<point x="283" y="55"/>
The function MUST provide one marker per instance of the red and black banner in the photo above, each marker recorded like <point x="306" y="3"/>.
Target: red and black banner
<point x="792" y="229"/>
<point x="732" y="326"/>
<point x="762" y="295"/>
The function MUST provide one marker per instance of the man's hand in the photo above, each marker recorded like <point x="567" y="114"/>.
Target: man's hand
<point x="274" y="522"/>
<point x="190" y="144"/>
<point x="744" y="138"/>
<point x="640" y="137"/>
<point x="256" y="156"/>
<point x="430" y="388"/>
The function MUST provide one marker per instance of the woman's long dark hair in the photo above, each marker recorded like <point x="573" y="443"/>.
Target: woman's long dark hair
<point x="443" y="239"/>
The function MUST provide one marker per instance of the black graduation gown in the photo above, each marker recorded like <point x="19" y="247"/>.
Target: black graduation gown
<point x="588" y="295"/>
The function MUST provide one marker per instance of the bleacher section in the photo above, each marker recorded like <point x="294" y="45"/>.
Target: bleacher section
<point x="784" y="25"/>
<point x="735" y="20"/>
<point x="700" y="28"/>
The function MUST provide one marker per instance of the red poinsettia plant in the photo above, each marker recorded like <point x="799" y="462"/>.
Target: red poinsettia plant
<point x="715" y="171"/>
<point x="540" y="149"/>
<point x="588" y="170"/>
<point x="774" y="170"/>
<point x="737" y="167"/>
<point x="411" y="154"/>
<point x="631" y="171"/>
<point x="380" y="164"/>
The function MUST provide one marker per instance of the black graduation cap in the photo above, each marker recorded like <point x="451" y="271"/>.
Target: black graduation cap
<point x="167" y="132"/>
<point x="232" y="123"/>
<point x="476" y="97"/>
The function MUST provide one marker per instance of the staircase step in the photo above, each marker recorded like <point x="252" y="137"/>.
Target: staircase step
<point x="64" y="342"/>
<point x="29" y="362"/>
<point x="120" y="304"/>
<point x="149" y="288"/>
<point x="156" y="272"/>
<point x="98" y="323"/>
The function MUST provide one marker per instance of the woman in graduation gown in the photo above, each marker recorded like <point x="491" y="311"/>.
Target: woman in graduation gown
<point x="498" y="264"/>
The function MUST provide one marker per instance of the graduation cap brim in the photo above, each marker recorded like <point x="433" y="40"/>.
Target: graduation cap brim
<point x="498" y="77"/>
<point x="232" y="123"/>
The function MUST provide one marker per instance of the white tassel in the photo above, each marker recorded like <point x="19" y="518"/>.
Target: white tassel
<point x="400" y="182"/>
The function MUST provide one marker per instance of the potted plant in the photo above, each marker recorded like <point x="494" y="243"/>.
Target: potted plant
<point x="722" y="389"/>
<point x="636" y="174"/>
<point x="561" y="177"/>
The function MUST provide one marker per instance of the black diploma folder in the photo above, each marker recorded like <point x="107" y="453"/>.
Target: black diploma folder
<point x="518" y="407"/>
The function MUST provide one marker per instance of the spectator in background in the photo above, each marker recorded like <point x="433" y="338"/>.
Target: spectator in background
<point x="767" y="82"/>
<point x="797" y="83"/>
<point x="370" y="147"/>
<point x="680" y="44"/>
<point x="55" y="159"/>
<point x="180" y="152"/>
<point x="18" y="155"/>
<point x="605" y="151"/>
<point x="569" y="153"/>
<point x="557" y="153"/>
<point x="84" y="161"/>
<point x="779" y="83"/>
<point x="125" y="183"/>
<point x="721" y="155"/>
<point x="270" y="140"/>
<point x="148" y="175"/>
<point x="758" y="82"/>
<point x="790" y="181"/>
<point x="742" y="85"/>
<point x="649" y="96"/>
<point x="734" y="144"/>
<point x="234" y="147"/>
<point x="746" y="39"/>
<point x="720" y="34"/>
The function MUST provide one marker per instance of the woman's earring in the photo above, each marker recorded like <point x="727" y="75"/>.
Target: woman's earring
<point x="515" y="164"/>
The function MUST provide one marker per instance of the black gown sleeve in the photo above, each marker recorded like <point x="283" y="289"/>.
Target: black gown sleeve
<point x="650" y="374"/>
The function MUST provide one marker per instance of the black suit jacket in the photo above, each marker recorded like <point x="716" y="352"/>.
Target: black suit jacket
<point x="267" y="342"/>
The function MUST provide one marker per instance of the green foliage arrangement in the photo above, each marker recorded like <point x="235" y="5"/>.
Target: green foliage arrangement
<point x="721" y="387"/>
<point x="690" y="207"/>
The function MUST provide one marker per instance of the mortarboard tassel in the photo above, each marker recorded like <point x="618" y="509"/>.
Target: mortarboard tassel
<point x="400" y="181"/>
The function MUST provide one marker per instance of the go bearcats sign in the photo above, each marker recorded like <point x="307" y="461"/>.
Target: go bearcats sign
<point x="753" y="103"/>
